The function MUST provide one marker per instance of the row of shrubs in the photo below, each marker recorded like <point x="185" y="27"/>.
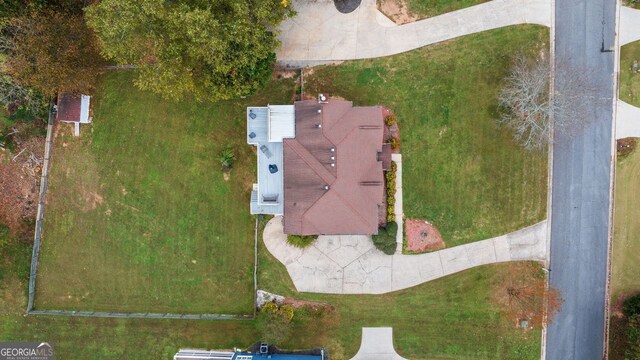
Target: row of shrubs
<point x="391" y="120"/>
<point x="301" y="241"/>
<point x="390" y="182"/>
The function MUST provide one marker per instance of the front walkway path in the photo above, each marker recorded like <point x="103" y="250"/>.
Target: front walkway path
<point x="350" y="264"/>
<point x="627" y="120"/>
<point x="377" y="344"/>
<point x="320" y="33"/>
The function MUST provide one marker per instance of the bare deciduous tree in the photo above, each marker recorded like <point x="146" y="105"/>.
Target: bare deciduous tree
<point x="522" y="294"/>
<point x="528" y="106"/>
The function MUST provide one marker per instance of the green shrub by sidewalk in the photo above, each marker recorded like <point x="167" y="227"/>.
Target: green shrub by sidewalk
<point x="385" y="241"/>
<point x="300" y="241"/>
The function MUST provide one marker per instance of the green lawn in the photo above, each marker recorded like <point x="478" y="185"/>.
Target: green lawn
<point x="626" y="247"/>
<point x="139" y="217"/>
<point x="630" y="81"/>
<point x="429" y="8"/>
<point x="451" y="318"/>
<point x="461" y="171"/>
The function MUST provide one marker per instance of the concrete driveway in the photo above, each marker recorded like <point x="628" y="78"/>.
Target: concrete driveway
<point x="350" y="264"/>
<point x="377" y="344"/>
<point x="627" y="121"/>
<point x="629" y="25"/>
<point x="319" y="32"/>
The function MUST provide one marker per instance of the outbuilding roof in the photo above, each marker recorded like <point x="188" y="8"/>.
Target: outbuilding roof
<point x="73" y="108"/>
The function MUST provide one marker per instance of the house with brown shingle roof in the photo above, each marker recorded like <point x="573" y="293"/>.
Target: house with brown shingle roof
<point x="320" y="165"/>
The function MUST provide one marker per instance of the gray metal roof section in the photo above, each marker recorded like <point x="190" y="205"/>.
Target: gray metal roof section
<point x="282" y="122"/>
<point x="267" y="196"/>
<point x="188" y="354"/>
<point x="257" y="125"/>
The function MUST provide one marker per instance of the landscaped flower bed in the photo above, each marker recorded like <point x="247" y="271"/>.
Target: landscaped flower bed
<point x="390" y="186"/>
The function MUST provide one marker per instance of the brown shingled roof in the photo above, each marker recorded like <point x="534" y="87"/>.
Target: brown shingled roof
<point x="356" y="190"/>
<point x="69" y="107"/>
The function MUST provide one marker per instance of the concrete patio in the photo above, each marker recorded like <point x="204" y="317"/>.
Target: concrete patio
<point x="350" y="264"/>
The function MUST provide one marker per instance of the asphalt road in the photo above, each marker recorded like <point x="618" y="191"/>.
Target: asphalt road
<point x="581" y="180"/>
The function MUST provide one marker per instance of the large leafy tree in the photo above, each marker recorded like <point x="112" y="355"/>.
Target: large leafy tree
<point x="51" y="51"/>
<point x="207" y="49"/>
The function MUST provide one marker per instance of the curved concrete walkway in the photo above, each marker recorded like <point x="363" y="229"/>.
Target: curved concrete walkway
<point x="627" y="120"/>
<point x="350" y="264"/>
<point x="377" y="344"/>
<point x="319" y="32"/>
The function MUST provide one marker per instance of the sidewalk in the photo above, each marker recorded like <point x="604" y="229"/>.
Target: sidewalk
<point x="320" y="33"/>
<point x="350" y="264"/>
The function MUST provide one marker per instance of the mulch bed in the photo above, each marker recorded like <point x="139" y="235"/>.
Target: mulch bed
<point x="626" y="146"/>
<point x="422" y="236"/>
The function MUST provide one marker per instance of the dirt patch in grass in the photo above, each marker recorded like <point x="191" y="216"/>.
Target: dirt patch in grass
<point x="422" y="236"/>
<point x="19" y="184"/>
<point x="397" y="10"/>
<point x="626" y="146"/>
<point x="296" y="303"/>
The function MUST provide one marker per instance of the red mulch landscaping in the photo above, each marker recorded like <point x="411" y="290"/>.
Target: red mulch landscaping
<point x="422" y="236"/>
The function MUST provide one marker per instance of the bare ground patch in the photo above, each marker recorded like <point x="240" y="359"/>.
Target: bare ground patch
<point x="19" y="183"/>
<point x="397" y="10"/>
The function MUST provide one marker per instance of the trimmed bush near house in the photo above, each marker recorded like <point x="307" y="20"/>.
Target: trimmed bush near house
<point x="394" y="142"/>
<point x="301" y="241"/>
<point x="390" y="120"/>
<point x="390" y="184"/>
<point x="385" y="241"/>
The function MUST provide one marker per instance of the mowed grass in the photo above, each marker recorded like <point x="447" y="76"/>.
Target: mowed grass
<point x="630" y="81"/>
<point x="461" y="170"/>
<point x="449" y="318"/>
<point x="430" y="8"/>
<point x="626" y="240"/>
<point x="138" y="215"/>
<point x="625" y="261"/>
